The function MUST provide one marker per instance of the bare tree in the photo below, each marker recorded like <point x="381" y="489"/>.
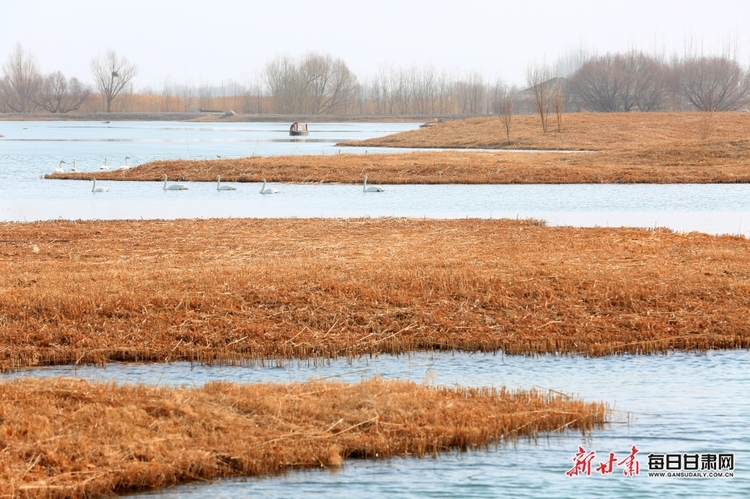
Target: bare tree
<point x="317" y="84"/>
<point x="423" y="87"/>
<point x="111" y="75"/>
<point x="380" y="91"/>
<point x="328" y="83"/>
<point x="423" y="90"/>
<point x="187" y="94"/>
<point x="559" y="98"/>
<point x="443" y="96"/>
<point x="57" y="94"/>
<point x="538" y="78"/>
<point x="251" y="91"/>
<point x="206" y="97"/>
<point x="501" y="100"/>
<point x="571" y="61"/>
<point x="285" y="85"/>
<point x="713" y="83"/>
<point x="20" y="82"/>
<point x="622" y="82"/>
<point x="471" y="93"/>
<point x="597" y="84"/>
<point x="168" y="97"/>
<point x="652" y="82"/>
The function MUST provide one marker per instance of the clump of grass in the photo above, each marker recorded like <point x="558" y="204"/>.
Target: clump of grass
<point x="245" y="291"/>
<point x="67" y="438"/>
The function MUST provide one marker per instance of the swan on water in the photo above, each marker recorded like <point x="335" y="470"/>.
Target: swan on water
<point x="105" y="166"/>
<point x="268" y="190"/>
<point x="173" y="187"/>
<point x="75" y="168"/>
<point x="126" y="165"/>
<point x="59" y="168"/>
<point x="371" y="188"/>
<point x="220" y="187"/>
<point x="98" y="189"/>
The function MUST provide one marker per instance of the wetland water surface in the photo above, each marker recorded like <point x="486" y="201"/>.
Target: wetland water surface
<point x="31" y="149"/>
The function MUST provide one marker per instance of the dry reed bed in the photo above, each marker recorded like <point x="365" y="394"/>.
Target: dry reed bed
<point x="67" y="438"/>
<point x="620" y="148"/>
<point x="250" y="290"/>
<point x="580" y="132"/>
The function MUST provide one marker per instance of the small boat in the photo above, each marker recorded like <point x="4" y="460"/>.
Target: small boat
<point x="298" y="129"/>
<point x="429" y="124"/>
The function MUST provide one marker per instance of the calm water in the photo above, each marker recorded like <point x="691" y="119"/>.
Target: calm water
<point x="681" y="403"/>
<point x="31" y="149"/>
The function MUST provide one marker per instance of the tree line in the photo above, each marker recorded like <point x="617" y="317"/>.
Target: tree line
<point x="317" y="84"/>
<point x="24" y="89"/>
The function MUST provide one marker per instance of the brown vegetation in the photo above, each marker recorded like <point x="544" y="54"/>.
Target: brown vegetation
<point x="603" y="132"/>
<point x="66" y="438"/>
<point x="612" y="148"/>
<point x="249" y="290"/>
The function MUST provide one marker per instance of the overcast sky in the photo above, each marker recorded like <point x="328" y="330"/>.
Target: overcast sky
<point x="214" y="41"/>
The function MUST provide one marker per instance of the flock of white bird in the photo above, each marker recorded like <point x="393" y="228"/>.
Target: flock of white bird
<point x="183" y="187"/>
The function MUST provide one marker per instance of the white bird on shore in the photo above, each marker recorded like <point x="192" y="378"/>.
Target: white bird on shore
<point x="98" y="189"/>
<point x="220" y="187"/>
<point x="105" y="166"/>
<point x="126" y="165"/>
<point x="268" y="190"/>
<point x="371" y="188"/>
<point x="59" y="168"/>
<point x="173" y="187"/>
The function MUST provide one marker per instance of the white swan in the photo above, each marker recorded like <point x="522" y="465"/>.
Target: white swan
<point x="173" y="187"/>
<point x="371" y="188"/>
<point x="105" y="166"/>
<point x="59" y="168"/>
<point x="74" y="169"/>
<point x="126" y="165"/>
<point x="268" y="190"/>
<point x="98" y="189"/>
<point x="220" y="187"/>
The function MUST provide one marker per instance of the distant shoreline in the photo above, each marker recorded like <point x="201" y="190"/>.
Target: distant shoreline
<point x="228" y="117"/>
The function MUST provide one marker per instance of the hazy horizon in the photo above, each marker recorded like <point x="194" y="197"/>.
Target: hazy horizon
<point x="198" y="43"/>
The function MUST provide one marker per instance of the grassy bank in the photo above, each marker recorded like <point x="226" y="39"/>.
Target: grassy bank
<point x="249" y="290"/>
<point x="609" y="148"/>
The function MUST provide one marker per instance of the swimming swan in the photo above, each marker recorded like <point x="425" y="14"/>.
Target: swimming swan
<point x="98" y="189"/>
<point x="75" y="168"/>
<point x="372" y="188"/>
<point x="105" y="166"/>
<point x="267" y="190"/>
<point x="59" y="168"/>
<point x="173" y="187"/>
<point x="126" y="165"/>
<point x="220" y="187"/>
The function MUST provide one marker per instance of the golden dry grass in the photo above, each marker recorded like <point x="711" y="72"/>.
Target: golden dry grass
<point x="582" y="132"/>
<point x="65" y="438"/>
<point x="251" y="290"/>
<point x="620" y="148"/>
